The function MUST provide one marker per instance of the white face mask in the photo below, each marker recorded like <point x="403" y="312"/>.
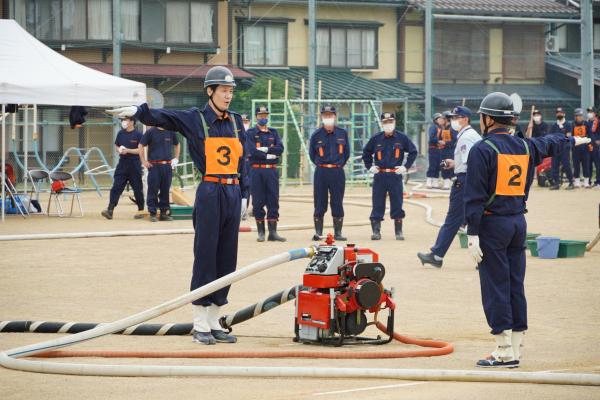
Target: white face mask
<point x="537" y="119"/>
<point x="328" y="121"/>
<point x="590" y="116"/>
<point x="455" y="124"/>
<point x="246" y="126"/>
<point x="124" y="124"/>
<point x="388" y="127"/>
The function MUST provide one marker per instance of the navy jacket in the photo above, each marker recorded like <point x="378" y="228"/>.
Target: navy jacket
<point x="160" y="144"/>
<point x="539" y="130"/>
<point x="189" y="124"/>
<point x="388" y="151"/>
<point x="482" y="168"/>
<point x="256" y="138"/>
<point x="129" y="140"/>
<point x="329" y="148"/>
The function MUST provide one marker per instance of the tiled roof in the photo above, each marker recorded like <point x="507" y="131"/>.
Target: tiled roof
<point x="570" y="65"/>
<point x="342" y="84"/>
<point x="165" y="70"/>
<point x="454" y="93"/>
<point x="533" y="8"/>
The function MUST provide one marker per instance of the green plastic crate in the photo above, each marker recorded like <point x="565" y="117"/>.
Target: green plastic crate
<point x="571" y="248"/>
<point x="532" y="236"/>
<point x="181" y="212"/>
<point x="464" y="241"/>
<point x="532" y="245"/>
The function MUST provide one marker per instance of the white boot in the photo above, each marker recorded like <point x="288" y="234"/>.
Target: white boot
<point x="428" y="184"/>
<point x="504" y="355"/>
<point x="447" y="184"/>
<point x="517" y="344"/>
<point x="435" y="183"/>
<point x="213" y="317"/>
<point x="576" y="182"/>
<point x="200" y="318"/>
<point x="586" y="182"/>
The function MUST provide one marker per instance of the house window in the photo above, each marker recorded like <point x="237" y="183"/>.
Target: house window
<point x="149" y="21"/>
<point x="523" y="59"/>
<point x="452" y="63"/>
<point x="264" y="45"/>
<point x="340" y="47"/>
<point x="596" y="36"/>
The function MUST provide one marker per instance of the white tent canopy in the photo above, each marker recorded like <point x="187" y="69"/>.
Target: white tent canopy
<point x="32" y="73"/>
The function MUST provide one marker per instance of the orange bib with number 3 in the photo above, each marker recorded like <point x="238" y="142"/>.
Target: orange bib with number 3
<point x="512" y="174"/>
<point x="446" y="135"/>
<point x="222" y="155"/>
<point x="579" y="131"/>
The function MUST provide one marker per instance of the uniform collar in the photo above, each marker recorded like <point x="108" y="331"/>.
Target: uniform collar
<point x="464" y="129"/>
<point x="393" y="135"/>
<point x="261" y="131"/>
<point x="500" y="131"/>
<point x="211" y="116"/>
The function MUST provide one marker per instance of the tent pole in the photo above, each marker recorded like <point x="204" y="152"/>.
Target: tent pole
<point x="26" y="141"/>
<point x="3" y="161"/>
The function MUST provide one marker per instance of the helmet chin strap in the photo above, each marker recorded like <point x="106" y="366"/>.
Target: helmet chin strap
<point x="210" y="98"/>
<point x="486" y="128"/>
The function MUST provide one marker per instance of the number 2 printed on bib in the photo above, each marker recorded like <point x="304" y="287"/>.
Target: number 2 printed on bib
<point x="512" y="174"/>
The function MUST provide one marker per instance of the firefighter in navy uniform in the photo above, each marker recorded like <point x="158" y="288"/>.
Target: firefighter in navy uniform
<point x="434" y="153"/>
<point x="537" y="127"/>
<point x="160" y="164"/>
<point x="499" y="174"/>
<point x="447" y="145"/>
<point x="249" y="212"/>
<point x="329" y="150"/>
<point x="594" y="125"/>
<point x="581" y="154"/>
<point x="216" y="140"/>
<point x="383" y="156"/>
<point x="264" y="148"/>
<point x="129" y="168"/>
<point x="562" y="156"/>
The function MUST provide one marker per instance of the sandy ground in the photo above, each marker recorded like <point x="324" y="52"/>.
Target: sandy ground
<point x="104" y="279"/>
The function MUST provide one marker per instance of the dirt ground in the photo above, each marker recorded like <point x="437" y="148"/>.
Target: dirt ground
<point x="104" y="279"/>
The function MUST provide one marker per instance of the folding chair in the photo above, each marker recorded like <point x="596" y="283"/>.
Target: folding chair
<point x="73" y="191"/>
<point x="11" y="192"/>
<point x="36" y="177"/>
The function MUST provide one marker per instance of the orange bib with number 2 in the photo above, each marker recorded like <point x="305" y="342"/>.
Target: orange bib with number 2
<point x="512" y="174"/>
<point x="222" y="155"/>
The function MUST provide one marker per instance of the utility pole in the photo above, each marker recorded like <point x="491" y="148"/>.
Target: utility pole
<point x="116" y="56"/>
<point x="587" y="54"/>
<point x="312" y="60"/>
<point x="428" y="75"/>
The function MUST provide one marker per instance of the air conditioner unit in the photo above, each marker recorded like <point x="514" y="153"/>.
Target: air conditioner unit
<point x="552" y="43"/>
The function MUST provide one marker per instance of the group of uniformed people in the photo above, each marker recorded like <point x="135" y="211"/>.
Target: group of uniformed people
<point x="493" y="179"/>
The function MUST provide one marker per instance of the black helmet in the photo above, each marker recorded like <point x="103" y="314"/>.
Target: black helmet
<point x="261" y="110"/>
<point x="219" y="76"/>
<point x="591" y="109"/>
<point x="446" y="114"/>
<point x="578" y="112"/>
<point x="436" y="116"/>
<point x="497" y="104"/>
<point x="387" y="115"/>
<point x="328" y="108"/>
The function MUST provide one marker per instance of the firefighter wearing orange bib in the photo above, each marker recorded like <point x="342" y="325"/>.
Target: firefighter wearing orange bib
<point x="216" y="139"/>
<point x="581" y="154"/>
<point x="499" y="174"/>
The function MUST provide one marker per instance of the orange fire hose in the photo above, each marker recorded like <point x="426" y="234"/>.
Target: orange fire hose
<point x="435" y="348"/>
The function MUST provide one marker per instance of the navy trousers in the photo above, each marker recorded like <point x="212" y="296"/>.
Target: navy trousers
<point x="595" y="161"/>
<point x="502" y="272"/>
<point x="384" y="183"/>
<point x="264" y="186"/>
<point x="564" y="159"/>
<point x="216" y="219"/>
<point x="128" y="170"/>
<point x="435" y="158"/>
<point x="329" y="183"/>
<point x="447" y="152"/>
<point x="581" y="161"/>
<point x="159" y="183"/>
<point x="454" y="218"/>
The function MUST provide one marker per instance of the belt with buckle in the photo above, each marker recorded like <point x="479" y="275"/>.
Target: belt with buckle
<point x="223" y="181"/>
<point x="329" y="166"/>
<point x="163" y="162"/>
<point x="387" y="169"/>
<point x="264" y="166"/>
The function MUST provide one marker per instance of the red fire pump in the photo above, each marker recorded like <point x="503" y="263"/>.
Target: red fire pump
<point x="340" y="286"/>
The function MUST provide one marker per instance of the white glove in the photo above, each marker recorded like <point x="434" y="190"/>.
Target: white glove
<point x="123" y="112"/>
<point x="401" y="170"/>
<point x="374" y="169"/>
<point x="122" y="149"/>
<point x="474" y="249"/>
<point x="271" y="157"/>
<point x="581" y="140"/>
<point x="263" y="149"/>
<point x="174" y="162"/>
<point x="244" y="213"/>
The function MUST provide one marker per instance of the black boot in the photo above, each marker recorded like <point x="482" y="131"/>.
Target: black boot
<point x="108" y="213"/>
<point x="429" y="258"/>
<point x="165" y="215"/>
<point x="318" y="228"/>
<point x="398" y="229"/>
<point x="376" y="227"/>
<point x="273" y="235"/>
<point x="260" y="229"/>
<point x="337" y="229"/>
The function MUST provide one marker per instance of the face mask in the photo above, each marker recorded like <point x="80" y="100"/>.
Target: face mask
<point x="537" y="119"/>
<point x="124" y="124"/>
<point x="246" y="126"/>
<point x="387" y="128"/>
<point x="455" y="125"/>
<point x="590" y="116"/>
<point x="328" y="121"/>
<point x="560" y="117"/>
<point x="262" y="121"/>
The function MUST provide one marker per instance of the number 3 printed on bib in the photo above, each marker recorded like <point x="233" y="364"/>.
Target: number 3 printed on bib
<point x="222" y="155"/>
<point x="512" y="174"/>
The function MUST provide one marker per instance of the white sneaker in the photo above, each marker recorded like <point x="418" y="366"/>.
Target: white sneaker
<point x="447" y="184"/>
<point x="586" y="183"/>
<point x="576" y="182"/>
<point x="428" y="184"/>
<point x="435" y="183"/>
